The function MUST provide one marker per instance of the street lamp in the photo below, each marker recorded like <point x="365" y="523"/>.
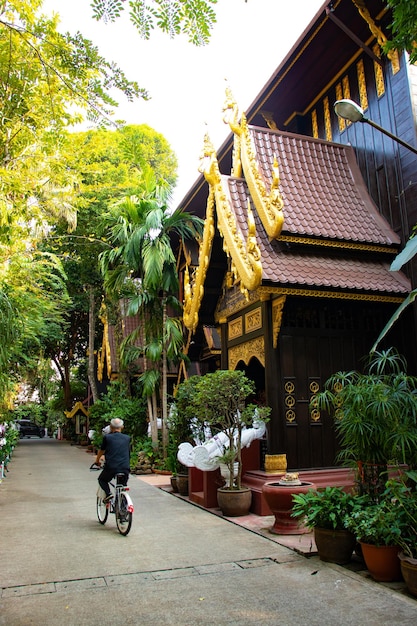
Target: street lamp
<point x="349" y="110"/>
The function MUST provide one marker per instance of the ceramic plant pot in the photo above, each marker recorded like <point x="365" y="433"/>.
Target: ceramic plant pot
<point x="234" y="502"/>
<point x="382" y="562"/>
<point x="182" y="484"/>
<point x="409" y="572"/>
<point x="279" y="499"/>
<point x="334" y="546"/>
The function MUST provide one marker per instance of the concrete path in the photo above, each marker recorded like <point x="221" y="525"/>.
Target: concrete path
<point x="179" y="565"/>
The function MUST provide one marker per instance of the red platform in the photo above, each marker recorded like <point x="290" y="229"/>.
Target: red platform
<point x="202" y="486"/>
<point x="330" y="477"/>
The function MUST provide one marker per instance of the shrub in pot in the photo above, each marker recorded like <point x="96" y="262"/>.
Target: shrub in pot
<point x="378" y="528"/>
<point x="324" y="511"/>
<point x="182" y="426"/>
<point x="219" y="402"/>
<point x="375" y="417"/>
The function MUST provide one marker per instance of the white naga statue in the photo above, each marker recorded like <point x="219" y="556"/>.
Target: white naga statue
<point x="205" y="456"/>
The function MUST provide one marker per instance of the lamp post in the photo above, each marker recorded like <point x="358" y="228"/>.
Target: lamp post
<point x="349" y="110"/>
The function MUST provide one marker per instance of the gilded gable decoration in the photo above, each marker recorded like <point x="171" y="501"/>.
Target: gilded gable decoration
<point x="245" y="256"/>
<point x="268" y="202"/>
<point x="246" y="351"/>
<point x="194" y="289"/>
<point x="277" y="310"/>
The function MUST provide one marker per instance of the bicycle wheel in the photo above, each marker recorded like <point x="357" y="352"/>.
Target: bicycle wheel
<point x="123" y="514"/>
<point x="102" y="510"/>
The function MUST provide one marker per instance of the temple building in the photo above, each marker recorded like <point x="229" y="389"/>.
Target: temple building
<point x="304" y="213"/>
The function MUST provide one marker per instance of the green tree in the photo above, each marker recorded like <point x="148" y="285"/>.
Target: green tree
<point x="140" y="230"/>
<point x="47" y="82"/>
<point x="108" y="164"/>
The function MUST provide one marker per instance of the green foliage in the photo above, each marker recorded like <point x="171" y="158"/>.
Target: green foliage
<point x="194" y="18"/>
<point x="375" y="412"/>
<point x="403" y="27"/>
<point x="402" y="494"/>
<point x="30" y="411"/>
<point x="117" y="403"/>
<point x="325" y="508"/>
<point x="375" y="523"/>
<point x="182" y="423"/>
<point x="9" y="436"/>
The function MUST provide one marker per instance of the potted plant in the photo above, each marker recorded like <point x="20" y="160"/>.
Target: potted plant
<point x="378" y="528"/>
<point x="375" y="417"/>
<point x="324" y="511"/>
<point x="219" y="402"/>
<point x="403" y="494"/>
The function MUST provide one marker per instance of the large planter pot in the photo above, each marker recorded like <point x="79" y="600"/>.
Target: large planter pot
<point x="382" y="562"/>
<point x="182" y="484"/>
<point x="334" y="546"/>
<point x="409" y="572"/>
<point x="279" y="499"/>
<point x="174" y="485"/>
<point x="234" y="502"/>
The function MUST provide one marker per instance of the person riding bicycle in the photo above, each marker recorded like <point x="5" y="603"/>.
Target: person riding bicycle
<point x="116" y="449"/>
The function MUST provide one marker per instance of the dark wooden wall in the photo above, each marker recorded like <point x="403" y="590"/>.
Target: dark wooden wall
<point x="319" y="337"/>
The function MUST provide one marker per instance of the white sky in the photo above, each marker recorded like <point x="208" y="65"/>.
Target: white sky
<point x="187" y="84"/>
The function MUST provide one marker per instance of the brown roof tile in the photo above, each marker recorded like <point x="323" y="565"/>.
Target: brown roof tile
<point x="323" y="190"/>
<point x="312" y="267"/>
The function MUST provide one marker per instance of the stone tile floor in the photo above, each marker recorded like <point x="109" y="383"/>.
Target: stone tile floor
<point x="303" y="544"/>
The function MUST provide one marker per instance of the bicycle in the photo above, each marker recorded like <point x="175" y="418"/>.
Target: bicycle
<point x="121" y="503"/>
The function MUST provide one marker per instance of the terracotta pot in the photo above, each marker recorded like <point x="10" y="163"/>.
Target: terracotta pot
<point x="234" y="502"/>
<point x="174" y="485"/>
<point x="409" y="572"/>
<point x="382" y="562"/>
<point x="182" y="484"/>
<point x="334" y="546"/>
<point x="279" y="500"/>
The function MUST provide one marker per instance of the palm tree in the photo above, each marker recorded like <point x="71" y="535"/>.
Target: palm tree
<point x="142" y="260"/>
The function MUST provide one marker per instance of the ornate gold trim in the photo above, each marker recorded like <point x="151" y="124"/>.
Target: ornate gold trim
<point x="269" y="204"/>
<point x="379" y="74"/>
<point x="246" y="257"/>
<point x="347" y="245"/>
<point x="193" y="294"/>
<point x="375" y="30"/>
<point x="363" y="95"/>
<point x="277" y="311"/>
<point x="235" y="328"/>
<point x="253" y="320"/>
<point x="335" y="295"/>
<point x="104" y="354"/>
<point x="245" y="351"/>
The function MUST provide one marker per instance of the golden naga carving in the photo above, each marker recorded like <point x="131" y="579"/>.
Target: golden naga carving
<point x="245" y="256"/>
<point x="193" y="294"/>
<point x="231" y="117"/>
<point x="268" y="202"/>
<point x="375" y="30"/>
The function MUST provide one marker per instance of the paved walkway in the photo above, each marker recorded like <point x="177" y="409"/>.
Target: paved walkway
<point x="180" y="565"/>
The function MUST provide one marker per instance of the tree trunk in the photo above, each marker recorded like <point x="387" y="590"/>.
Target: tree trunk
<point x="164" y="383"/>
<point x="91" y="334"/>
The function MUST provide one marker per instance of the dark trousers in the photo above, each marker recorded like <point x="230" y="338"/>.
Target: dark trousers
<point x="107" y="475"/>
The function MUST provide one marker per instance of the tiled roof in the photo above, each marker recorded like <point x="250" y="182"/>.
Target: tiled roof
<point x="323" y="190"/>
<point x="314" y="267"/>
